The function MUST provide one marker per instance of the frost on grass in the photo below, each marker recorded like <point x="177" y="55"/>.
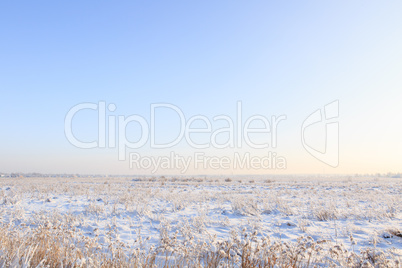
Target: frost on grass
<point x="198" y="222"/>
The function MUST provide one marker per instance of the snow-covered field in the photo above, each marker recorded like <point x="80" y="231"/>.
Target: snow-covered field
<point x="207" y="221"/>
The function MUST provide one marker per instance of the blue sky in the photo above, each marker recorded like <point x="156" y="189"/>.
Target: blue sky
<point x="276" y="58"/>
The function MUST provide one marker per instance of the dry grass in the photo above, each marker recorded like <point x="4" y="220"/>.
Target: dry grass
<point x="395" y="232"/>
<point x="51" y="246"/>
<point x="47" y="246"/>
<point x="36" y="230"/>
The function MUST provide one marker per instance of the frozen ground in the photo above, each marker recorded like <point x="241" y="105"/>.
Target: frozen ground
<point x="201" y="213"/>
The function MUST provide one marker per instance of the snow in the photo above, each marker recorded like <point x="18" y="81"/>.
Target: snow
<point x="354" y="212"/>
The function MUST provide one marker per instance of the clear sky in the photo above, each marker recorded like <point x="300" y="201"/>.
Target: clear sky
<point x="275" y="57"/>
